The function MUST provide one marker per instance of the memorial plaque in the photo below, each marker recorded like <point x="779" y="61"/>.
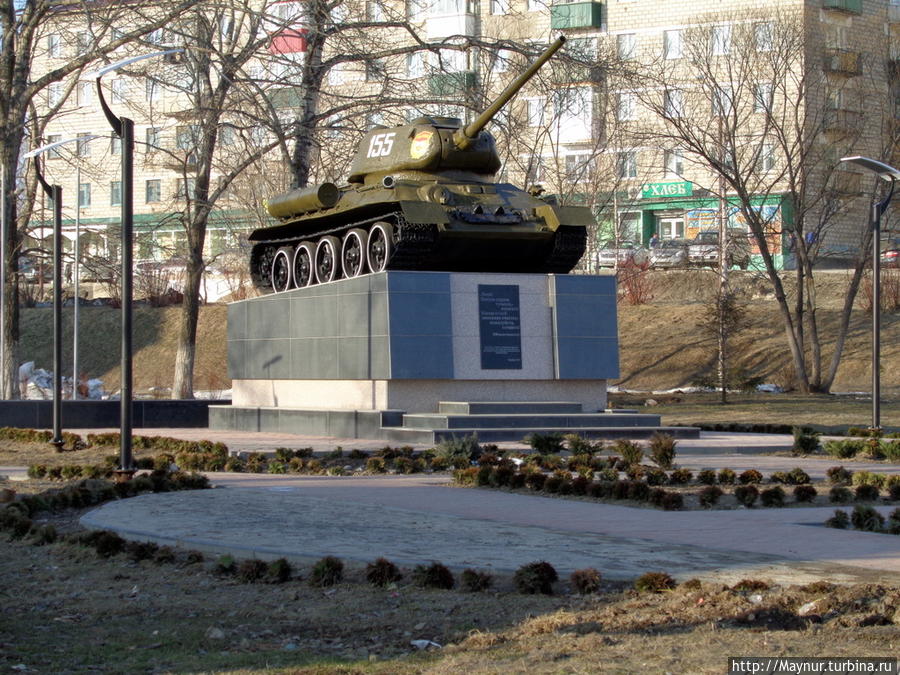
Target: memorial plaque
<point x="500" y="327"/>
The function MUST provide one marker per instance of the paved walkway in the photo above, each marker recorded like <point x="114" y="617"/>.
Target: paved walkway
<point x="417" y="519"/>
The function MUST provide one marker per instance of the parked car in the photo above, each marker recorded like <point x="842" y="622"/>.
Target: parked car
<point x="670" y="253"/>
<point x="890" y="258"/>
<point x="703" y="250"/>
<point x="611" y="256"/>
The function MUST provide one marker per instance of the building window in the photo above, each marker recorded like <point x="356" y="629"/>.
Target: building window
<point x="721" y="40"/>
<point x="626" y="164"/>
<point x="499" y="6"/>
<point x="762" y="36"/>
<point x="53" y="49"/>
<point x="762" y="97"/>
<point x="82" y="43"/>
<point x="83" y="145"/>
<point x="155" y="37"/>
<point x="722" y="104"/>
<point x="626" y="106"/>
<point x="578" y="168"/>
<point x="765" y="161"/>
<point x="153" y="138"/>
<point x="535" y="111"/>
<point x="83" y="94"/>
<point x="184" y="188"/>
<point x="226" y="135"/>
<point x="115" y="193"/>
<point x="626" y="45"/>
<point x="672" y="44"/>
<point x="115" y="146"/>
<point x="84" y="195"/>
<point x="152" y="90"/>
<point x="415" y="65"/>
<point x="673" y="103"/>
<point x="54" y="93"/>
<point x="535" y="5"/>
<point x="674" y="161"/>
<point x="118" y="90"/>
<point x="415" y="9"/>
<point x="835" y="37"/>
<point x="152" y="191"/>
<point x="54" y="153"/>
<point x="502" y="61"/>
<point x="374" y="10"/>
<point x="534" y="173"/>
<point x="374" y="69"/>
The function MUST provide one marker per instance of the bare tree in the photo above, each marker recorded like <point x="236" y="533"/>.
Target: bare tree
<point x="761" y="116"/>
<point x="32" y="32"/>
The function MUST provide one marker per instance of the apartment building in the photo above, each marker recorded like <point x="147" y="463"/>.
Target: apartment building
<point x="606" y="128"/>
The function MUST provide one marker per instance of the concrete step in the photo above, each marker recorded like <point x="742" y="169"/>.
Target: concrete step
<point x="493" y="435"/>
<point x="507" y="407"/>
<point x="525" y="421"/>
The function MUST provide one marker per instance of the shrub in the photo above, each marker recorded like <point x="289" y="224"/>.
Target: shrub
<point x="746" y="495"/>
<point x="797" y="476"/>
<point x="502" y="475"/>
<point x="840" y="520"/>
<point x="44" y="534"/>
<point x="483" y="477"/>
<point x="872" y="448"/>
<point x="608" y="475"/>
<point x="141" y="550"/>
<point x="838" y="475"/>
<point x="467" y="476"/>
<point x="459" y="452"/>
<point x="619" y="489"/>
<point x="894" y="491"/>
<point x="536" y="577"/>
<point x="773" y="496"/>
<point x="164" y="555"/>
<point x="750" y="585"/>
<point x="805" y="493"/>
<point x="475" y="581"/>
<point x="635" y="472"/>
<point x="710" y="495"/>
<point x="580" y="485"/>
<point x="866" y="518"/>
<point x="279" y="571"/>
<point x="672" y="501"/>
<point x="599" y="489"/>
<point x="435" y="575"/>
<point x="869" y="478"/>
<point x="194" y="558"/>
<point x="553" y="483"/>
<point x="654" y="582"/>
<point x="662" y="450"/>
<point x="638" y="491"/>
<point x="656" y="477"/>
<point x="866" y="493"/>
<point x="581" y="446"/>
<point x="891" y="450"/>
<point x="235" y="464"/>
<point x="806" y="441"/>
<point x="382" y="572"/>
<point x="631" y="452"/>
<point x="327" y="571"/>
<point x="224" y="566"/>
<point x="657" y="496"/>
<point x="375" y="465"/>
<point x="840" y="495"/>
<point x="107" y="544"/>
<point x="750" y="477"/>
<point x="706" y="477"/>
<point x="779" y="477"/>
<point x="535" y="481"/>
<point x="37" y="470"/>
<point x="843" y="449"/>
<point x="252" y="570"/>
<point x="680" y="477"/>
<point x="546" y="444"/>
<point x="727" y="477"/>
<point x="586" y="581"/>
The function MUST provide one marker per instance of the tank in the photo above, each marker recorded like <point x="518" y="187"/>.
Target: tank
<point x="420" y="196"/>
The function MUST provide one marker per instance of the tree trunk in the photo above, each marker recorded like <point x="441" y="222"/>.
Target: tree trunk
<point x="183" y="385"/>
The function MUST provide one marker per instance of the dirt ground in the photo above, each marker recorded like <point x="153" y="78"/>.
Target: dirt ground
<point x="68" y="611"/>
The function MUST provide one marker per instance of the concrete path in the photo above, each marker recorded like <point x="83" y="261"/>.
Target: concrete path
<point x="418" y="519"/>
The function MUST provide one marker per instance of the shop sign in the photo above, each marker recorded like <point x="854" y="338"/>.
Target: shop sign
<point x="657" y="190"/>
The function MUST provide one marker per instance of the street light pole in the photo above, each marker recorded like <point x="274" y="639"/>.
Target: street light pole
<point x="75" y="265"/>
<point x="890" y="174"/>
<point x="123" y="127"/>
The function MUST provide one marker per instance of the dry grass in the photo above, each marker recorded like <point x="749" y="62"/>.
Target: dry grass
<point x="65" y="610"/>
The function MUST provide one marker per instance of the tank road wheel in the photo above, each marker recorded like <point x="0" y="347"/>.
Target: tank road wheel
<point x="281" y="269"/>
<point x="353" y="253"/>
<point x="304" y="254"/>
<point x="380" y="246"/>
<point x="327" y="259"/>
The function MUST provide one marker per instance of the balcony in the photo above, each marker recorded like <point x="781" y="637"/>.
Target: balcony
<point x="846" y="184"/>
<point x="446" y="84"/>
<point x="842" y="122"/>
<point x="448" y="25"/>
<point x="843" y="61"/>
<point x="573" y="15"/>
<point x="848" y="6"/>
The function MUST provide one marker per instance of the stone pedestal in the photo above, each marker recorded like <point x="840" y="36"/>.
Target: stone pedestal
<point x="405" y="341"/>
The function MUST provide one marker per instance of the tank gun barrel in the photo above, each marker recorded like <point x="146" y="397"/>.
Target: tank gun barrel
<point x="464" y="137"/>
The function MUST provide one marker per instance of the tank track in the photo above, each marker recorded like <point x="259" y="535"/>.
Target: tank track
<point x="568" y="247"/>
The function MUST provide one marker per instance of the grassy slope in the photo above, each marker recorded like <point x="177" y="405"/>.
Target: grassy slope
<point x="662" y="345"/>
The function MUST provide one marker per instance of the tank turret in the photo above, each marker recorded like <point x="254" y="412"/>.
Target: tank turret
<point x="419" y="196"/>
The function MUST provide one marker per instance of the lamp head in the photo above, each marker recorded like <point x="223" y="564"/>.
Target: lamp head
<point x="97" y="74"/>
<point x="885" y="171"/>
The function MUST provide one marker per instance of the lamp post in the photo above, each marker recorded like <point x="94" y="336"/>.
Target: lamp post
<point x="123" y="127"/>
<point x="891" y="175"/>
<point x="54" y="192"/>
